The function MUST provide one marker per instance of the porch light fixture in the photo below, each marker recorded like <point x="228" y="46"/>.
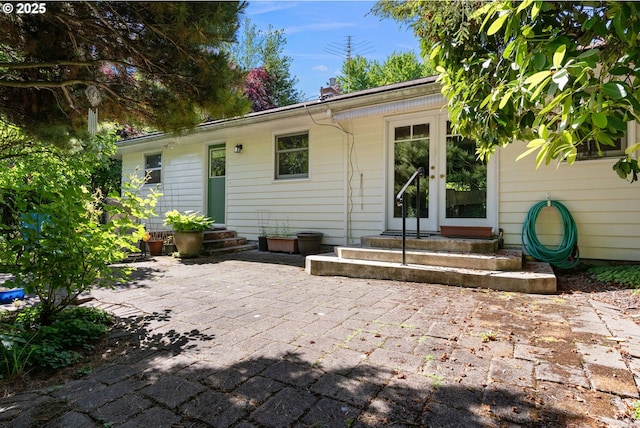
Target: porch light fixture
<point x="237" y="148"/>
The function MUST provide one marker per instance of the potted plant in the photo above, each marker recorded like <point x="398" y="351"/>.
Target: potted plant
<point x="188" y="231"/>
<point x="155" y="241"/>
<point x="263" y="223"/>
<point x="262" y="239"/>
<point x="281" y="239"/>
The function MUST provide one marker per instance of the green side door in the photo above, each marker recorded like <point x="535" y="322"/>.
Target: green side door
<point x="216" y="185"/>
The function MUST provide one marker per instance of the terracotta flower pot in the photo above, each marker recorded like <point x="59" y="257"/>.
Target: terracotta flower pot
<point x="283" y="244"/>
<point x="155" y="247"/>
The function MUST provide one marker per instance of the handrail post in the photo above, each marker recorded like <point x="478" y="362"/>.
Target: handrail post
<point x="401" y="200"/>
<point x="418" y="213"/>
<point x="404" y="229"/>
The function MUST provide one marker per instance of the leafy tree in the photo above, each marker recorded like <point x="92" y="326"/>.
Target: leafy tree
<point x="52" y="237"/>
<point x="155" y="63"/>
<point x="356" y="74"/>
<point x="555" y="74"/>
<point x="260" y="54"/>
<point x="258" y="84"/>
<point x="360" y="73"/>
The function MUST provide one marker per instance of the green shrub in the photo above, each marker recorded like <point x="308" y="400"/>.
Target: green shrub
<point x="57" y="237"/>
<point x="25" y="343"/>
<point x="627" y="275"/>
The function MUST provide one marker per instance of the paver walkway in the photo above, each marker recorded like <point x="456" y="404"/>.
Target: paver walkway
<point x="251" y="340"/>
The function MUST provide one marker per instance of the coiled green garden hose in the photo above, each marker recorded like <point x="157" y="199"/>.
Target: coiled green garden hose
<point x="566" y="254"/>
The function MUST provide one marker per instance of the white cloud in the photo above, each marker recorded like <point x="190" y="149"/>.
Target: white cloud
<point x="320" y="67"/>
<point x="260" y="7"/>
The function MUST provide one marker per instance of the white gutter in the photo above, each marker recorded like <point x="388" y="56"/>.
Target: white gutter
<point x="393" y="107"/>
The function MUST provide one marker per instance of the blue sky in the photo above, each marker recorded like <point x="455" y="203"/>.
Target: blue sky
<point x="313" y="28"/>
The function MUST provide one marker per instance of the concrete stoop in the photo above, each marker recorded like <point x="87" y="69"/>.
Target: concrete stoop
<point x="223" y="241"/>
<point x="459" y="262"/>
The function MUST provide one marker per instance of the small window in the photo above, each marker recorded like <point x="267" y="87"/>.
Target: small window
<point x="589" y="150"/>
<point x="153" y="168"/>
<point x="292" y="156"/>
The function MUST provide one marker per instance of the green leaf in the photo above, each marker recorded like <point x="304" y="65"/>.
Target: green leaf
<point x="505" y="99"/>
<point x="599" y="120"/>
<point x="535" y="10"/>
<point x="558" y="56"/>
<point x="532" y="147"/>
<point x="616" y="123"/>
<point x="507" y="51"/>
<point x="538" y="77"/>
<point x="588" y="53"/>
<point x="543" y="132"/>
<point x="483" y="10"/>
<point x="620" y="26"/>
<point x="542" y="155"/>
<point x="614" y="90"/>
<point x="620" y="70"/>
<point x="589" y="23"/>
<point x="536" y="143"/>
<point x="435" y="49"/>
<point x="528" y="152"/>
<point x="525" y="4"/>
<point x="631" y="149"/>
<point x="571" y="156"/>
<point x="539" y="60"/>
<point x="497" y="24"/>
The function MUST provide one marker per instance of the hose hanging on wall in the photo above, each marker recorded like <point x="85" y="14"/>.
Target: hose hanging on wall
<point x="566" y="254"/>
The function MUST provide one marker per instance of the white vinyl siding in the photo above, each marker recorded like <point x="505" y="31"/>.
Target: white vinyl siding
<point x="604" y="207"/>
<point x="183" y="184"/>
<point x="315" y="203"/>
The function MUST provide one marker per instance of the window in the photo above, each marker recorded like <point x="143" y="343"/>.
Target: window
<point x="153" y="168"/>
<point x="589" y="150"/>
<point x="292" y="156"/>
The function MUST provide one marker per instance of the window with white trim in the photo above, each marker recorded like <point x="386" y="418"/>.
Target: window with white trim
<point x="292" y="156"/>
<point x="153" y="168"/>
<point x="590" y="150"/>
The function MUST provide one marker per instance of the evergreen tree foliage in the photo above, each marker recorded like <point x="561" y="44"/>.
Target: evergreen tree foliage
<point x="154" y="63"/>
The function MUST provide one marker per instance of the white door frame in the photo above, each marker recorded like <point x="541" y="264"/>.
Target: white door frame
<point x="436" y="172"/>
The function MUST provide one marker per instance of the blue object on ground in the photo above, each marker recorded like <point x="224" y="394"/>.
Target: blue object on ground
<point x="11" y="295"/>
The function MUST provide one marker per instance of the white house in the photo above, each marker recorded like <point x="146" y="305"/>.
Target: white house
<point x="334" y="166"/>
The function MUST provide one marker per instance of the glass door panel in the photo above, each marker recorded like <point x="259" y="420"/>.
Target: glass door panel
<point x="217" y="183"/>
<point x="466" y="179"/>
<point x="411" y="148"/>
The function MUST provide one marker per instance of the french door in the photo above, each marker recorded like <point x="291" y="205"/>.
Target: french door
<point x="457" y="190"/>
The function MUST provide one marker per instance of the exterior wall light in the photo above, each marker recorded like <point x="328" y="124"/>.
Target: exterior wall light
<point x="237" y="148"/>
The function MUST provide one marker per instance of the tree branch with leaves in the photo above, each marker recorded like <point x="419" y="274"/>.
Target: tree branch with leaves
<point x="556" y="75"/>
<point x="158" y="64"/>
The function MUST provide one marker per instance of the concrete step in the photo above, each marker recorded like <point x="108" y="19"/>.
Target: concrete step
<point x="533" y="278"/>
<point x="503" y="260"/>
<point x="224" y="242"/>
<point x="211" y="235"/>
<point x="433" y="243"/>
